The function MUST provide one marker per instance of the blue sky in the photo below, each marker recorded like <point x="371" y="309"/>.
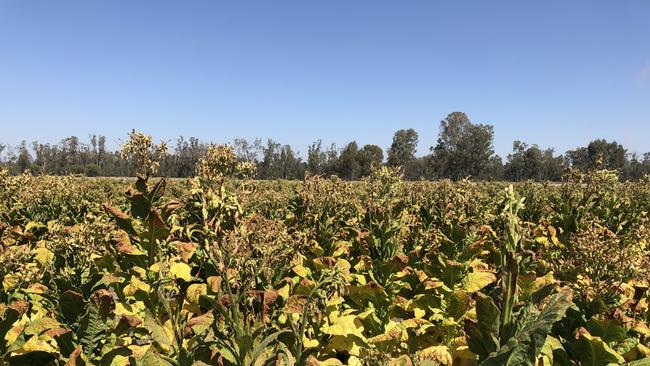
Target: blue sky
<point x="556" y="73"/>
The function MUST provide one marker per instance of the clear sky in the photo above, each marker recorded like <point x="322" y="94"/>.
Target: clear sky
<point x="556" y="73"/>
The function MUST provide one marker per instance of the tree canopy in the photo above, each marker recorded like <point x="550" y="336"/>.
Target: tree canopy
<point x="463" y="149"/>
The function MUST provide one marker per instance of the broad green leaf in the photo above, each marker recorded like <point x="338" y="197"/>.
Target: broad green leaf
<point x="530" y="333"/>
<point x="553" y="353"/>
<point x="609" y="330"/>
<point x="452" y="273"/>
<point x="261" y="350"/>
<point x="483" y="337"/>
<point x="457" y="304"/>
<point x="592" y="351"/>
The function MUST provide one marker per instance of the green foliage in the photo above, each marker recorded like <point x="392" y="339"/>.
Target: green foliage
<point x="381" y="271"/>
<point x="463" y="148"/>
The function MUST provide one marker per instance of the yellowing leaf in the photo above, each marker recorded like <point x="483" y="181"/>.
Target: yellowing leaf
<point x="10" y="281"/>
<point x="419" y="313"/>
<point x="134" y="309"/>
<point x="33" y="225"/>
<point x="335" y="300"/>
<point x="330" y="362"/>
<point x="201" y="323"/>
<point x="158" y="333"/>
<point x="464" y="357"/>
<point x="39" y="326"/>
<point x="180" y="270"/>
<point x="476" y="281"/>
<point x="309" y="343"/>
<point x="43" y="256"/>
<point x="342" y="247"/>
<point x="194" y="291"/>
<point x="284" y="292"/>
<point x="301" y="271"/>
<point x="295" y="304"/>
<point x="139" y="351"/>
<point x="391" y="333"/>
<point x="344" y="325"/>
<point x="123" y="244"/>
<point x="35" y="345"/>
<point x="645" y="351"/>
<point x="37" y="288"/>
<point x="13" y="334"/>
<point x="350" y="345"/>
<point x="354" y="361"/>
<point x="214" y="283"/>
<point x="120" y="360"/>
<point x="401" y="361"/>
<point x="134" y="286"/>
<point x="543" y="281"/>
<point x="440" y="354"/>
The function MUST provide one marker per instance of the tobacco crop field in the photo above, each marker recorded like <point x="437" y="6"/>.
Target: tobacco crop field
<point x="221" y="271"/>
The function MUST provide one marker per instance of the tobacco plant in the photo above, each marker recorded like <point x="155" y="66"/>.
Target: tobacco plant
<point x="223" y="270"/>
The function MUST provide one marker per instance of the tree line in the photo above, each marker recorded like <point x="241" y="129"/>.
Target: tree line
<point x="463" y="149"/>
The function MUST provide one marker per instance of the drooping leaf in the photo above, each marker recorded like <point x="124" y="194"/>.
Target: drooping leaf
<point x="123" y="220"/>
<point x="483" y="337"/>
<point x="157" y="224"/>
<point x="592" y="351"/>
<point x="124" y="245"/>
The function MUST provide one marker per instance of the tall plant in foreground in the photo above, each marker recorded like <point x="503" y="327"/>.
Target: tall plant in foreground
<point x="513" y="333"/>
<point x="243" y="257"/>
